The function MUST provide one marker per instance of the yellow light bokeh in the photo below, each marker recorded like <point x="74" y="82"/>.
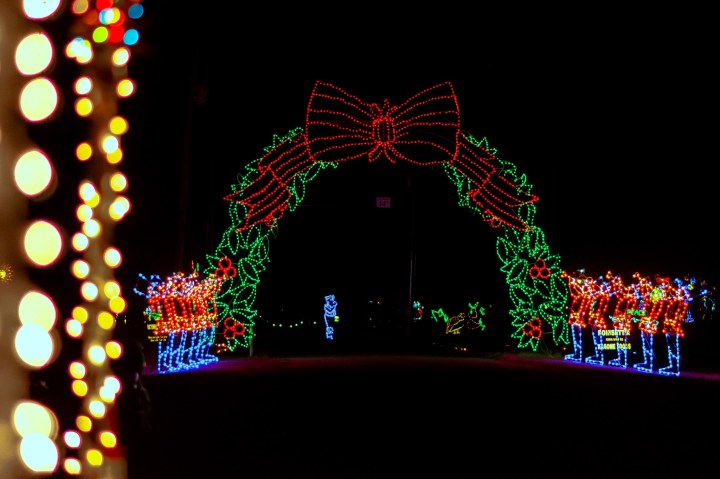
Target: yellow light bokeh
<point x="79" y="388"/>
<point x="113" y="349"/>
<point x="83" y="423"/>
<point x="80" y="242"/>
<point x="112" y="257"/>
<point x="80" y="269"/>
<point x="31" y="417"/>
<point x="119" y="208"/>
<point x="118" y="182"/>
<point x="37" y="308"/>
<point x="43" y="243"/>
<point x="108" y="439"/>
<point x="125" y="88"/>
<point x="86" y="190"/>
<point x="84" y="106"/>
<point x="34" y="54"/>
<point x="91" y="228"/>
<point x="81" y="314"/>
<point x="73" y="328"/>
<point x="33" y="173"/>
<point x="119" y="125"/>
<point x="38" y="99"/>
<point x="94" y="457"/>
<point x="72" y="466"/>
<point x="84" y="151"/>
<point x="84" y="212"/>
<point x="118" y="304"/>
<point x="115" y="157"/>
<point x="121" y="57"/>
<point x="89" y="291"/>
<point x="77" y="370"/>
<point x="83" y="85"/>
<point x="97" y="408"/>
<point x="105" y="320"/>
<point x="112" y="289"/>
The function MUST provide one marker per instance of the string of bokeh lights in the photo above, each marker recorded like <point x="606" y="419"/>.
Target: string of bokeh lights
<point x="100" y="42"/>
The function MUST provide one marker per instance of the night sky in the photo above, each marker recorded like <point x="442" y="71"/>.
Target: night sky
<point x="609" y="114"/>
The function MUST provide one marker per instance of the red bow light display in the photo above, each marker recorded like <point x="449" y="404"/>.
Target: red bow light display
<point x="423" y="130"/>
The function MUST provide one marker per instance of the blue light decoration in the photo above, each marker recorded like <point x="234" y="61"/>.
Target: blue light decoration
<point x="613" y="311"/>
<point x="182" y="317"/>
<point x="330" y="310"/>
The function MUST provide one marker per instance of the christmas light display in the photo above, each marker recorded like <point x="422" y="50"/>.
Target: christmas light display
<point x="613" y="311"/>
<point x="182" y="316"/>
<point x="330" y="313"/>
<point x="417" y="310"/>
<point x="454" y="324"/>
<point x="424" y="130"/>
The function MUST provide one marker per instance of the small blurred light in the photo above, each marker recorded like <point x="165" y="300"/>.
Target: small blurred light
<point x="83" y="85"/>
<point x="72" y="439"/>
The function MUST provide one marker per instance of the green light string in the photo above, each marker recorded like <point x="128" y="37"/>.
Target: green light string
<point x="536" y="288"/>
<point x="249" y="247"/>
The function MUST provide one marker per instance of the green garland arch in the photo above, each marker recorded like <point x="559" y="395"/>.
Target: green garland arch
<point x="533" y="274"/>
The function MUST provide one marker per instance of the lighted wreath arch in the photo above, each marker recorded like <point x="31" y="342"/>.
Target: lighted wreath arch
<point x="424" y="130"/>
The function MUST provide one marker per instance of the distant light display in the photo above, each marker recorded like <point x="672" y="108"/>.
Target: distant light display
<point x="614" y="313"/>
<point x="454" y="324"/>
<point x="423" y="130"/>
<point x="182" y="317"/>
<point x="330" y="313"/>
<point x="417" y="310"/>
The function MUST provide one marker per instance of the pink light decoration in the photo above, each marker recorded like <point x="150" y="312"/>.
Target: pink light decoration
<point x="423" y="130"/>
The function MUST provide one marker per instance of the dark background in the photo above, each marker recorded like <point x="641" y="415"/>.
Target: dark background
<point x="609" y="112"/>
